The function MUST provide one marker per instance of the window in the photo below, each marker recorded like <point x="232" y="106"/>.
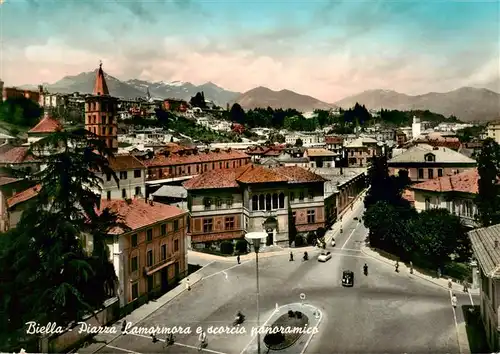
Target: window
<point x="229" y="202"/>
<point x="207" y="202"/>
<point x="440" y="172"/>
<point x="268" y="202"/>
<point x="205" y="168"/>
<point x="176" y="245"/>
<point x="227" y="164"/>
<point x="430" y="173"/>
<point x="301" y="196"/>
<point x="108" y="195"/>
<point x="275" y="201"/>
<point x="311" y="216"/>
<point x="281" y="201"/>
<point x="292" y="196"/>
<point x="220" y="164"/>
<point x="149" y="258"/>
<point x="207" y="225"/>
<point x="197" y="168"/>
<point x="133" y="240"/>
<point x="176" y="225"/>
<point x="261" y="202"/>
<point x="420" y="173"/>
<point x="110" y="130"/>
<point x="311" y="194"/>
<point x="124" y="193"/>
<point x="163" y="229"/>
<point x="134" y="264"/>
<point x="123" y="174"/>
<point x="103" y="130"/>
<point x="218" y="203"/>
<point x="255" y="202"/>
<point x="149" y="235"/>
<point x="108" y="177"/>
<point x="137" y="173"/>
<point x="230" y="223"/>
<point x="430" y="158"/>
<point x="189" y="170"/>
<point x="137" y="191"/>
<point x="160" y="173"/>
<point x="163" y="252"/>
<point x="213" y="165"/>
<point x="135" y="291"/>
<point x="427" y="204"/>
<point x="234" y="164"/>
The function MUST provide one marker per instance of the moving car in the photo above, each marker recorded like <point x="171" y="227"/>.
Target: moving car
<point x="348" y="278"/>
<point x="324" y="256"/>
<point x="333" y="242"/>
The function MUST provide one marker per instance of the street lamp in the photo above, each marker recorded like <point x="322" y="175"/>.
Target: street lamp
<point x="256" y="238"/>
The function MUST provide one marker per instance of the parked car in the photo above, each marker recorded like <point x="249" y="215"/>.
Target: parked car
<point x="324" y="256"/>
<point x="347" y="278"/>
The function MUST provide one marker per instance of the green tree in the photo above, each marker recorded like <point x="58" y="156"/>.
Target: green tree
<point x="48" y="275"/>
<point x="20" y="111"/>
<point x="299" y="142"/>
<point x="237" y="114"/>
<point x="488" y="198"/>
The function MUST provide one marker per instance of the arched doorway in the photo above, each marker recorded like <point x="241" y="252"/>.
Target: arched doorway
<point x="271" y="226"/>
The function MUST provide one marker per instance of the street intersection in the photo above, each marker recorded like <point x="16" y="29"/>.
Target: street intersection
<point x="385" y="311"/>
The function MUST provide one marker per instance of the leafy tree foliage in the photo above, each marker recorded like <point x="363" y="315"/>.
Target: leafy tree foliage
<point x="299" y="142"/>
<point x="198" y="100"/>
<point x="20" y="111"/>
<point x="469" y="134"/>
<point x="237" y="114"/>
<point x="402" y="118"/>
<point x="488" y="199"/>
<point x="48" y="275"/>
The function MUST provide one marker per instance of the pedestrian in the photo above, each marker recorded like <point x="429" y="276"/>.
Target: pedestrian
<point x="454" y="301"/>
<point x="396" y="267"/>
<point x="439" y="272"/>
<point x="238" y="259"/>
<point x="124" y="326"/>
<point x="450" y="283"/>
<point x="411" y="267"/>
<point x="291" y="257"/>
<point x="466" y="286"/>
<point x="153" y="337"/>
<point x="203" y="340"/>
<point x="188" y="286"/>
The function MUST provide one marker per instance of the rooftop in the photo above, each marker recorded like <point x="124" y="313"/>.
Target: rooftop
<point x="319" y="152"/>
<point x="15" y="154"/>
<point x="360" y="142"/>
<point x="171" y="192"/>
<point x="195" y="157"/>
<point x="23" y="196"/>
<point x="100" y="86"/>
<point x="139" y="213"/>
<point x="334" y="140"/>
<point x="464" y="182"/>
<point x="7" y="180"/>
<point x="486" y="246"/>
<point x="46" y="125"/>
<point x="442" y="155"/>
<point x="125" y="162"/>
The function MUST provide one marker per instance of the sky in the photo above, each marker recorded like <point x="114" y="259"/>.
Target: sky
<point x="326" y="49"/>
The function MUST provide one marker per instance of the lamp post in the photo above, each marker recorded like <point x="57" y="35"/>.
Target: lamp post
<point x="256" y="238"/>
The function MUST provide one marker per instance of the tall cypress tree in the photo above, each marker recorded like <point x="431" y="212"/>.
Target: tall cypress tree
<point x="488" y="199"/>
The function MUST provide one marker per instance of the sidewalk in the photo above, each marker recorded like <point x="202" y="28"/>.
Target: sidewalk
<point x="139" y="314"/>
<point x="405" y="269"/>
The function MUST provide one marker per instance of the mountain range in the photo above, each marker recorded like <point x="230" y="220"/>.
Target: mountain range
<point x="466" y="103"/>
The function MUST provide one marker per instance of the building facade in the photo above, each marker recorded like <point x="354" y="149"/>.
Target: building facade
<point x="226" y="204"/>
<point x="131" y="174"/>
<point x="360" y="151"/>
<point x="425" y="162"/>
<point x="493" y="130"/>
<point x="101" y="112"/>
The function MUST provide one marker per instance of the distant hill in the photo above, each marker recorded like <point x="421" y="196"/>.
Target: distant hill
<point x="84" y="83"/>
<point x="262" y="97"/>
<point x="466" y="103"/>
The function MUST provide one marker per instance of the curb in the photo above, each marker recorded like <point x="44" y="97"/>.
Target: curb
<point x="149" y="314"/>
<point x="383" y="259"/>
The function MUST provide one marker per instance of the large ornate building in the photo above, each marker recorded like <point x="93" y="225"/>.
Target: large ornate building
<point x="225" y="204"/>
<point x="101" y="112"/>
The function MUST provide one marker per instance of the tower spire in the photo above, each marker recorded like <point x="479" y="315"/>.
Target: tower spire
<point x="100" y="86"/>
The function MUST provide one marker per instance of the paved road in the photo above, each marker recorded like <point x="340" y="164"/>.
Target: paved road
<point x="384" y="312"/>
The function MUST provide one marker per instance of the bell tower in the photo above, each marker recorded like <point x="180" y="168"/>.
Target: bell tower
<point x="101" y="112"/>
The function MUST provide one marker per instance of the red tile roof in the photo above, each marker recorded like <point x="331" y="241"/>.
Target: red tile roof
<point x="297" y="174"/>
<point x="465" y="182"/>
<point x="125" y="162"/>
<point x="46" y="125"/>
<point x="23" y="196"/>
<point x="137" y="213"/>
<point x="100" y="86"/>
<point x="333" y="140"/>
<point x="161" y="160"/>
<point x="250" y="174"/>
<point x="17" y="154"/>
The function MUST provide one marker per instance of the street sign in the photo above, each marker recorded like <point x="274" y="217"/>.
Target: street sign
<point x="302" y="296"/>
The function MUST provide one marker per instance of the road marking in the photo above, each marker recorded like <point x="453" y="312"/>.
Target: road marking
<point x="456" y="322"/>
<point x="263" y="325"/>
<point x="224" y="270"/>
<point x="312" y="333"/>
<point x="175" y="343"/>
<point x="352" y="233"/>
<point x="123" y="350"/>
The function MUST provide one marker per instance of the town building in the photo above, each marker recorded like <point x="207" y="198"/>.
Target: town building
<point x="8" y="188"/>
<point x="319" y="158"/>
<point x="401" y="138"/>
<point x="335" y="144"/>
<point x="175" y="105"/>
<point x="455" y="193"/>
<point x="43" y="129"/>
<point x="361" y="151"/>
<point x="307" y="138"/>
<point x="13" y="92"/>
<point x="225" y="204"/>
<point x="18" y="158"/>
<point x="101" y="112"/>
<point x="150" y="256"/>
<point x="17" y="204"/>
<point x="493" y="130"/>
<point x="486" y="248"/>
<point x="131" y="174"/>
<point x="425" y="162"/>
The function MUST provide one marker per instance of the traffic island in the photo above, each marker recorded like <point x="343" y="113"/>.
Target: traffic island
<point x="288" y="330"/>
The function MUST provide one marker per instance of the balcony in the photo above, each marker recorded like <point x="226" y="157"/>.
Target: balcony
<point x="161" y="264"/>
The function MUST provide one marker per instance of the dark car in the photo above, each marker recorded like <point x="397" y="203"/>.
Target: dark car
<point x="347" y="278"/>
